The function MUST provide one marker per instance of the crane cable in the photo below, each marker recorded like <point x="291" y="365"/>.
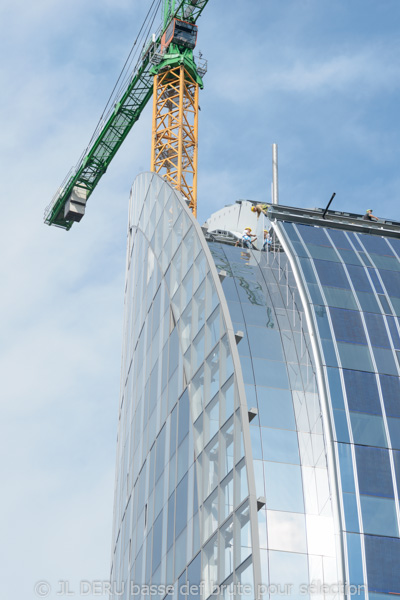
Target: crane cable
<point x="145" y="36"/>
<point x="125" y="64"/>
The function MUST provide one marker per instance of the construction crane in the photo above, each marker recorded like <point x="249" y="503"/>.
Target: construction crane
<point x="168" y="70"/>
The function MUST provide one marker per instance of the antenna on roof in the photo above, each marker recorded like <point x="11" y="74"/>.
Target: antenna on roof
<point x="275" y="193"/>
<point x="328" y="205"/>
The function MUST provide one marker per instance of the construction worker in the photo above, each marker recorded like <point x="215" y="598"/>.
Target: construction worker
<point x="267" y="240"/>
<point x="247" y="238"/>
<point x="260" y="208"/>
<point x="369" y="216"/>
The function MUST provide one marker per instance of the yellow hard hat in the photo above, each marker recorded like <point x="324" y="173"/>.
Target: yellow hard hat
<point x="253" y="209"/>
<point x="247" y="228"/>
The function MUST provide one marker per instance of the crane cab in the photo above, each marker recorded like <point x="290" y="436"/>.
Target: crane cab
<point x="181" y="33"/>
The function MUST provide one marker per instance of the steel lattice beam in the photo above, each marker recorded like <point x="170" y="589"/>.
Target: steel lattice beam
<point x="175" y="130"/>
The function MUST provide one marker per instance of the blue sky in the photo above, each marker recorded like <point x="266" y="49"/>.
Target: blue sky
<point x="320" y="78"/>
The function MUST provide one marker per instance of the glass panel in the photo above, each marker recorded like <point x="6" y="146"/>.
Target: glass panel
<point x="226" y="363"/>
<point x="181" y="506"/>
<point x="385" y="362"/>
<point x="368" y="429"/>
<point x="286" y="531"/>
<point x="355" y="559"/>
<point x="212" y="330"/>
<point x="210" y="566"/>
<point x="368" y="302"/>
<point x="186" y="328"/>
<point x="247" y="370"/>
<point x="391" y="281"/>
<point x="197" y="393"/>
<point x="198" y="350"/>
<point x="262" y="528"/>
<point x="350" y="512"/>
<point x="375" y="280"/>
<point x="226" y="496"/>
<point x="379" y="516"/>
<point x="374" y="474"/>
<point x="349" y="257"/>
<point x="270" y="373"/>
<point x="331" y="274"/>
<point x="348" y="326"/>
<point x="183" y="456"/>
<point x="255" y="442"/>
<point x="245" y="577"/>
<point x="320" y="535"/>
<point x="227" y="448"/>
<point x="313" y="235"/>
<point x="211" y="466"/>
<point x="183" y="420"/>
<point x="212" y="374"/>
<point x="394" y="334"/>
<point x="335" y="388"/>
<point x="329" y="353"/>
<point x="377" y="331"/>
<point x="394" y="430"/>
<point x="226" y="566"/>
<point x="280" y="445"/>
<point x="227" y="400"/>
<point x="355" y="356"/>
<point x="339" y="298"/>
<point x="342" y="431"/>
<point x="362" y="392"/>
<point x="180" y="552"/>
<point x="323" y="253"/>
<point x="194" y="576"/>
<point x="157" y="543"/>
<point x="241" y="488"/>
<point x="265" y="343"/>
<point x="210" y="514"/>
<point x="383" y="559"/>
<point x="289" y="574"/>
<point x="243" y="549"/>
<point x="284" y="490"/>
<point x="212" y="420"/>
<point x="275" y="408"/>
<point x="199" y="307"/>
<point x="346" y="468"/>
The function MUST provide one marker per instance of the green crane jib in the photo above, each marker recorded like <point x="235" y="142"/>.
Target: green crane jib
<point x="68" y="204"/>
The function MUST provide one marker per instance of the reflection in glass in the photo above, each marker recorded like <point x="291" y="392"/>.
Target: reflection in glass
<point x="286" y="531"/>
<point x="284" y="490"/>
<point x="288" y="571"/>
<point x="280" y="445"/>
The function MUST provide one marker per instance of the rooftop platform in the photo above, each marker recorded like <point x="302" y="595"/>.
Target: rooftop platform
<point x="332" y="218"/>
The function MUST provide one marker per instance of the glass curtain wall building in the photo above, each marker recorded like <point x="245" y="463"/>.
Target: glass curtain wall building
<point x="259" y="421"/>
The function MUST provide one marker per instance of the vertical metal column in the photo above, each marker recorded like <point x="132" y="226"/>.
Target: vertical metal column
<point x="275" y="192"/>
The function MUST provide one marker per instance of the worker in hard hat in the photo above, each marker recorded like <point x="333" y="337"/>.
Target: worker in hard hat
<point x="247" y="238"/>
<point x="260" y="208"/>
<point x="369" y="216"/>
<point x="267" y="240"/>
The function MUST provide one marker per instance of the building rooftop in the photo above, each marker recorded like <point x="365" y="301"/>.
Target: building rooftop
<point x="333" y="218"/>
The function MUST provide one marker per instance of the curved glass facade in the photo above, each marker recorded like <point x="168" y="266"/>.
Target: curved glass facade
<point x="296" y="525"/>
<point x="182" y="506"/>
<point x="259" y="431"/>
<point x="352" y="282"/>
